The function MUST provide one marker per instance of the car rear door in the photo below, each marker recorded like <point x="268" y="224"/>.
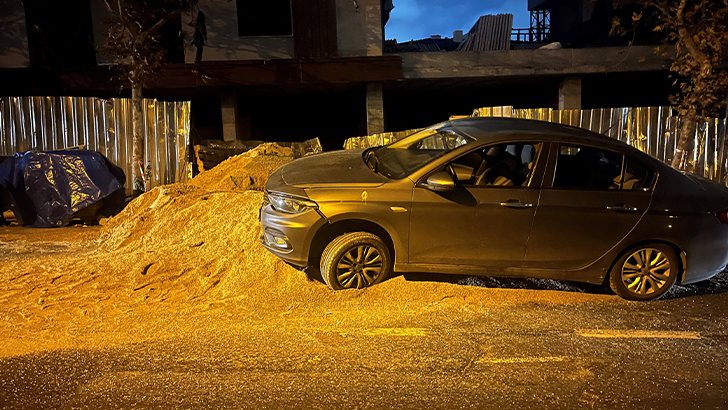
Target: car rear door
<point x="486" y="220"/>
<point x="590" y="200"/>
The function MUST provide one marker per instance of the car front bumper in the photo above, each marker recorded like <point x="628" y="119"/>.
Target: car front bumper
<point x="289" y="236"/>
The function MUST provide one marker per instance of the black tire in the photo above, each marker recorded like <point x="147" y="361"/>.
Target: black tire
<point x="633" y="280"/>
<point x="355" y="274"/>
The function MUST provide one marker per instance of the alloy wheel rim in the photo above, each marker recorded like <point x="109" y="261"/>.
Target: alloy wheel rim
<point x="646" y="271"/>
<point x="359" y="267"/>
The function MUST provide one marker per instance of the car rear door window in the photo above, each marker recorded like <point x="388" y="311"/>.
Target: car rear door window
<point x="499" y="165"/>
<point x="594" y="168"/>
<point x="637" y="176"/>
<point x="587" y="168"/>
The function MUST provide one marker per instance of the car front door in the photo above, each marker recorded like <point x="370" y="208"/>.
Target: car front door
<point x="590" y="200"/>
<point x="487" y="218"/>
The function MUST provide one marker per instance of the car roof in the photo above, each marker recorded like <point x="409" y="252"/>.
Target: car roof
<point x="489" y="128"/>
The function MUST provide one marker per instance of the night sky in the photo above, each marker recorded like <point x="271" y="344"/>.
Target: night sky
<point x="417" y="19"/>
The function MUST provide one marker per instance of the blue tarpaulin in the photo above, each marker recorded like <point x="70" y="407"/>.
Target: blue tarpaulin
<point x="47" y="188"/>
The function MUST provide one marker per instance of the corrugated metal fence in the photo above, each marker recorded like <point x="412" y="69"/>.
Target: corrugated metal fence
<point x="52" y="123"/>
<point x="653" y="130"/>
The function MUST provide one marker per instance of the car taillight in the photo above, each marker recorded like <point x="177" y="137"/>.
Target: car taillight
<point x="722" y="216"/>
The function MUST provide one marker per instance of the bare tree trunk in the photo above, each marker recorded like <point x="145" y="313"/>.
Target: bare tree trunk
<point x="685" y="141"/>
<point x="137" y="169"/>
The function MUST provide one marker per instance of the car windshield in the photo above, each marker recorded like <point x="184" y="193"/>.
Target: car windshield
<point x="403" y="157"/>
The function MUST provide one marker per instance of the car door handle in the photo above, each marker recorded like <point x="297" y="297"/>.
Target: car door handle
<point x="622" y="208"/>
<point x="516" y="204"/>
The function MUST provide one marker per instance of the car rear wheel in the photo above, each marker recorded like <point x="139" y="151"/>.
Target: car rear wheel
<point x="355" y="260"/>
<point x="644" y="273"/>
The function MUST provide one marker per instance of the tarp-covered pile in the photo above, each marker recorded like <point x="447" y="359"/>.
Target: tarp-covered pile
<point x="45" y="189"/>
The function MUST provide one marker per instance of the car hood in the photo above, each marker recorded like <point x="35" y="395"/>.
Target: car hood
<point x="346" y="167"/>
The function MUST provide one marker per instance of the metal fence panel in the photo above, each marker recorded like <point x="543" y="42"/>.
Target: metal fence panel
<point x="54" y="123"/>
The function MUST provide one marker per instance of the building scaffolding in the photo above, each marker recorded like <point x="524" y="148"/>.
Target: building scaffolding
<point x="539" y="32"/>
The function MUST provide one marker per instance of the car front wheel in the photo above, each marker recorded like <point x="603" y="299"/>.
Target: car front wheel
<point x="644" y="273"/>
<point x="355" y="260"/>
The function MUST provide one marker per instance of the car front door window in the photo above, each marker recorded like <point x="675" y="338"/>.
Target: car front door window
<point x="499" y="165"/>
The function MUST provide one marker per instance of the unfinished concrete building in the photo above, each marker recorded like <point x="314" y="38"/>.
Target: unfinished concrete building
<point x="290" y="70"/>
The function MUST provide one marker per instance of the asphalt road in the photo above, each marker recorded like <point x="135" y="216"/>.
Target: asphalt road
<point x="669" y="354"/>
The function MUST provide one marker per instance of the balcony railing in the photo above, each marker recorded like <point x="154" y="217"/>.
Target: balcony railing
<point x="530" y="35"/>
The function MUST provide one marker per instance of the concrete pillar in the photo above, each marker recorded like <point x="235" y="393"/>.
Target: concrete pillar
<point x="229" y="107"/>
<point x="570" y="94"/>
<point x="375" y="108"/>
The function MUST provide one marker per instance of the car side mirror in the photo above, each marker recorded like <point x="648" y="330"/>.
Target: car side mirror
<point x="440" y="182"/>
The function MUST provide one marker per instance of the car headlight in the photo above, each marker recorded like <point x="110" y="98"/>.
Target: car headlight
<point x="290" y="204"/>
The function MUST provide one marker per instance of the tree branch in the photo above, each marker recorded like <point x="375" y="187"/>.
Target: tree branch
<point x="109" y="6"/>
<point x="120" y="12"/>
<point x="687" y="38"/>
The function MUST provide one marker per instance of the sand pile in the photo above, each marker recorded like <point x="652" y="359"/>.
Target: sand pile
<point x="176" y="250"/>
<point x="186" y="241"/>
<point x="249" y="170"/>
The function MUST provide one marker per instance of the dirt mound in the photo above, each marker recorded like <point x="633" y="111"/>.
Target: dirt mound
<point x="249" y="170"/>
<point x="199" y="239"/>
<point x="213" y="203"/>
<point x="185" y="242"/>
